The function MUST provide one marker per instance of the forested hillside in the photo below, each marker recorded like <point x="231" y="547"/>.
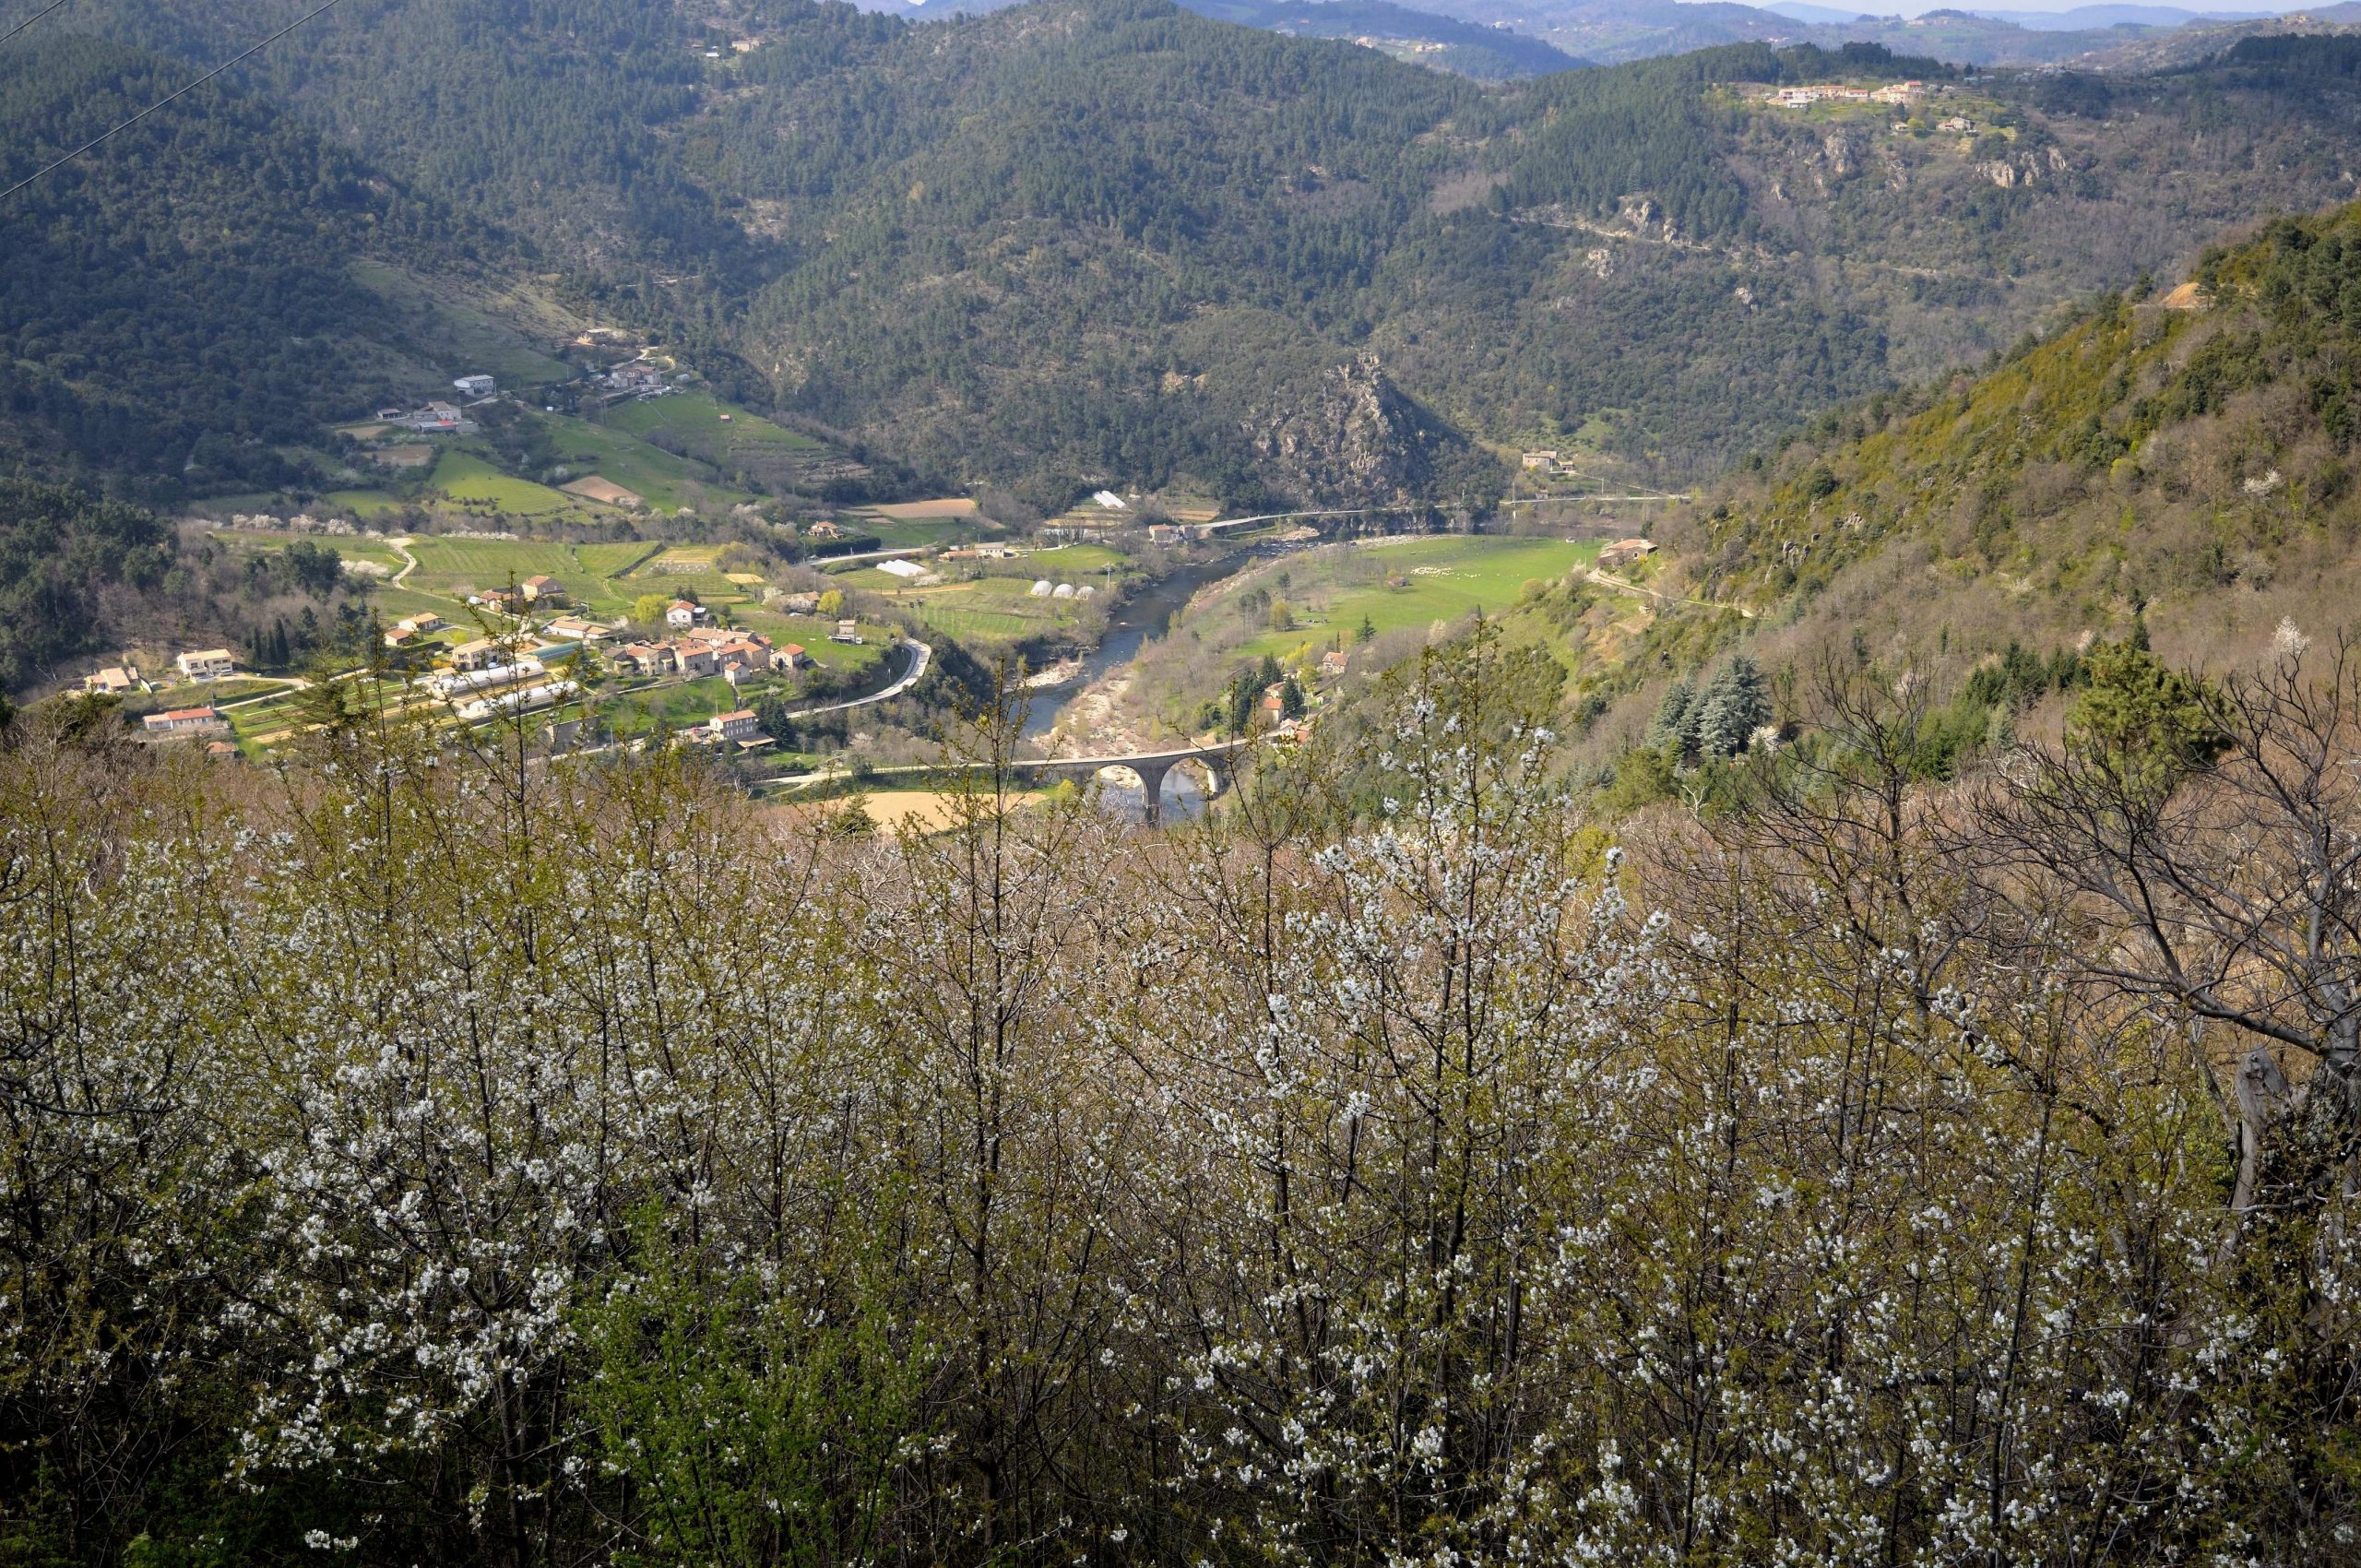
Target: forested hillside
<point x="178" y="307"/>
<point x="2178" y="462"/>
<point x="1101" y="241"/>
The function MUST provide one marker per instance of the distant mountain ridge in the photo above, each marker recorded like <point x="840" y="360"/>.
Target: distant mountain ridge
<point x="1086" y="241"/>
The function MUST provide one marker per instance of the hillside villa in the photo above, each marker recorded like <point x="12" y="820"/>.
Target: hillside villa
<point x="206" y="664"/>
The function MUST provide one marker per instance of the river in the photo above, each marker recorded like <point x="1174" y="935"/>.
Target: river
<point x="1147" y="614"/>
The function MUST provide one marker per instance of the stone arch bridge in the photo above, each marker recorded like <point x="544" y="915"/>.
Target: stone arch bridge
<point x="1151" y="766"/>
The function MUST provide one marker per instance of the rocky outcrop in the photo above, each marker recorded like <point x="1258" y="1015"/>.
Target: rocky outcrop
<point x="1351" y="437"/>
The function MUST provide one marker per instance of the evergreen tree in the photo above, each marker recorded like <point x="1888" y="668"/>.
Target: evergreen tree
<point x="1675" y="724"/>
<point x="1733" y="706"/>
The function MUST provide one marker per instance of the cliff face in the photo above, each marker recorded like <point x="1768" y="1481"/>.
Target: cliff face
<point x="1352" y="438"/>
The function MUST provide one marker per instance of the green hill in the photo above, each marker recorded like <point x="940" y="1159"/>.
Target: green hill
<point x="1099" y="241"/>
<point x="2180" y="460"/>
<point x="179" y="306"/>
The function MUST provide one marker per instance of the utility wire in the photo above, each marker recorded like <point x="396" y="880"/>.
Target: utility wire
<point x="192" y="86"/>
<point x="53" y="5"/>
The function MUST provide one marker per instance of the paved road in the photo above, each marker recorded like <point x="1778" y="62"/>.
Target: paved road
<point x="822" y="562"/>
<point x="919" y="656"/>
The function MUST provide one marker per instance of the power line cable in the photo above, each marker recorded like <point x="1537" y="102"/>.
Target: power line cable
<point x="53" y="5"/>
<point x="192" y="86"/>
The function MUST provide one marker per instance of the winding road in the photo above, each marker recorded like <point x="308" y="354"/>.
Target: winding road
<point x="920" y="655"/>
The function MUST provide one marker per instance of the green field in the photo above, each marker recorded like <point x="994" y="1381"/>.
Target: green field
<point x="693" y="422"/>
<point x="246" y="542"/>
<point x="1070" y="562"/>
<point x="1439" y="578"/>
<point x="988" y="610"/>
<point x="810" y="634"/>
<point x="677" y="707"/>
<point x="456" y="567"/>
<point x="903" y="533"/>
<point x="657" y="477"/>
<point x="614" y="560"/>
<point x="362" y="504"/>
<point x="463" y="476"/>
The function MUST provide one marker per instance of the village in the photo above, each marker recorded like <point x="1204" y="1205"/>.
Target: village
<point x="532" y="662"/>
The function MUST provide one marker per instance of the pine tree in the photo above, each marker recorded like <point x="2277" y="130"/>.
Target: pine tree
<point x="1733" y="706"/>
<point x="1674" y="725"/>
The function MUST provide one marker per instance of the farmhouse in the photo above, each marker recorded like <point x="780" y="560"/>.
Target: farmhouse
<point x="846" y="632"/>
<point x="437" y="417"/>
<point x="741" y="726"/>
<point x="544" y="591"/>
<point x="1164" y="534"/>
<point x="114" y="681"/>
<point x="185" y="721"/>
<point x="1331" y="664"/>
<point x="642" y="658"/>
<point x="1625" y="553"/>
<point x="206" y="664"/>
<point x="790" y="656"/>
<point x="682" y="612"/>
<point x="425" y="620"/>
<point x="578" y="629"/>
<point x="743" y="653"/>
<point x="483" y="653"/>
<point x="475" y="387"/>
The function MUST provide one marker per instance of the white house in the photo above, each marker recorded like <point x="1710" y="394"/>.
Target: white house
<point x="683" y="614"/>
<point x="207" y="664"/>
<point x="475" y="386"/>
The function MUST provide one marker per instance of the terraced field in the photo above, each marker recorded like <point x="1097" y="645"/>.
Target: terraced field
<point x="664" y="479"/>
<point x="692" y="422"/>
<point x="458" y="567"/>
<point x="463" y="476"/>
